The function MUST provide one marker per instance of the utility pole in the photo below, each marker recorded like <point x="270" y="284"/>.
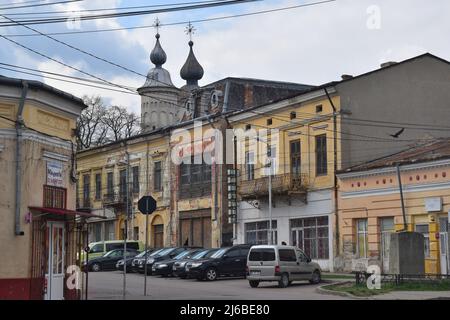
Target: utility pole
<point x="270" y="199"/>
<point x="405" y="226"/>
<point x="125" y="236"/>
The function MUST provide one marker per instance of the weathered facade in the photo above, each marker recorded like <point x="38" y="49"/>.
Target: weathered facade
<point x="40" y="233"/>
<point x="370" y="206"/>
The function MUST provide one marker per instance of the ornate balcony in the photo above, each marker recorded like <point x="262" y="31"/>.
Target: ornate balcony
<point x="115" y="199"/>
<point x="281" y="184"/>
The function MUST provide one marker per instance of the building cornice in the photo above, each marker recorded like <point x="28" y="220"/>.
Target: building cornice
<point x="391" y="170"/>
<point x="38" y="137"/>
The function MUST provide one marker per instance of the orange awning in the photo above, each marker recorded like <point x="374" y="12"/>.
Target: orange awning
<point x="65" y="212"/>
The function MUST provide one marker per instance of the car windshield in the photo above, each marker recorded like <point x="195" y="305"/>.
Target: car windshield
<point x="182" y="255"/>
<point x="110" y="253"/>
<point x="165" y="252"/>
<point x="200" y="254"/>
<point x="140" y="255"/>
<point x="219" y="253"/>
<point x="157" y="252"/>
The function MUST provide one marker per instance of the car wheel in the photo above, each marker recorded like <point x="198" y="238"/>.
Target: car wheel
<point x="315" y="278"/>
<point x="211" y="274"/>
<point x="253" y="283"/>
<point x="284" y="281"/>
<point x="96" y="267"/>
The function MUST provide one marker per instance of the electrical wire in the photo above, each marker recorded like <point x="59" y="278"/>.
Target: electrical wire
<point x="38" y="5"/>
<point x="182" y="22"/>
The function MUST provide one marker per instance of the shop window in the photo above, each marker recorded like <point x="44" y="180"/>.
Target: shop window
<point x="311" y="236"/>
<point x="258" y="232"/>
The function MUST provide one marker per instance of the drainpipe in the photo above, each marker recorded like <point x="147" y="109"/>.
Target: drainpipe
<point x="19" y="127"/>
<point x="335" y="166"/>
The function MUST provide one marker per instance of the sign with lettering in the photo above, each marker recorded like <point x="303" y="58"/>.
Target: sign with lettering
<point x="54" y="174"/>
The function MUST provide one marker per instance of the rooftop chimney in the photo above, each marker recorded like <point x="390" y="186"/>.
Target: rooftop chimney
<point x="346" y="76"/>
<point x="388" y="64"/>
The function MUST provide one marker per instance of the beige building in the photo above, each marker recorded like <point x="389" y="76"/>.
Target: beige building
<point x="40" y="234"/>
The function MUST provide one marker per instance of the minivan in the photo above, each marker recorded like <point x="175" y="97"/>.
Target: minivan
<point x="98" y="249"/>
<point x="283" y="264"/>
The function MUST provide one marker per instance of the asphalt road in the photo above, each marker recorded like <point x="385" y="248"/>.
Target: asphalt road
<point x="108" y="285"/>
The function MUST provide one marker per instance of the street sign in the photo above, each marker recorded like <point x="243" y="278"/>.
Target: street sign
<point x="147" y="205"/>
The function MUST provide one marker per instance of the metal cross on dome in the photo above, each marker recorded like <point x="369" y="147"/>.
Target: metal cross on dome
<point x="190" y="30"/>
<point x="157" y="24"/>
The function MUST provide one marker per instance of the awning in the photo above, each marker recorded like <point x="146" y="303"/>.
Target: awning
<point x="64" y="212"/>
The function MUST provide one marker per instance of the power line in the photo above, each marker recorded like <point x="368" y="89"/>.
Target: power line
<point x="181" y="22"/>
<point x="111" y="9"/>
<point x="127" y="14"/>
<point x="84" y="72"/>
<point x="38" y="5"/>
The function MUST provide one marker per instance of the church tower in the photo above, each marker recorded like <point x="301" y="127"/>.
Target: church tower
<point x="159" y="102"/>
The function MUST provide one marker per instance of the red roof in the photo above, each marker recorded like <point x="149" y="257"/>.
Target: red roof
<point x="64" y="212"/>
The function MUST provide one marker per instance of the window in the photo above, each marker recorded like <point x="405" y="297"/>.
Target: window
<point x="424" y="230"/>
<point x="135" y="171"/>
<point x="262" y="255"/>
<point x="287" y="255"/>
<point x="54" y="197"/>
<point x="97" y="248"/>
<point x="195" y="179"/>
<point x="250" y="165"/>
<point x="361" y="238"/>
<point x="269" y="121"/>
<point x="233" y="253"/>
<point x="110" y="184"/>
<point x="258" y="232"/>
<point x="311" y="236"/>
<point x="321" y="154"/>
<point x="86" y="190"/>
<point x="109" y="230"/>
<point x="136" y="233"/>
<point x="293" y="115"/>
<point x="295" y="158"/>
<point x="319" y="108"/>
<point x="123" y="182"/>
<point x="248" y="127"/>
<point x="98" y="186"/>
<point x="157" y="173"/>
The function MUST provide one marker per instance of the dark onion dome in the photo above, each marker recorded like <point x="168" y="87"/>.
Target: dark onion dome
<point x="158" y="57"/>
<point x="191" y="71"/>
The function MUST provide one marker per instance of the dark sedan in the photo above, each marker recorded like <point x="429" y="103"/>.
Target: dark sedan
<point x="108" y="261"/>
<point x="165" y="267"/>
<point x="130" y="260"/>
<point x="168" y="253"/>
<point x="230" y="261"/>
<point x="179" y="267"/>
<point x="138" y="263"/>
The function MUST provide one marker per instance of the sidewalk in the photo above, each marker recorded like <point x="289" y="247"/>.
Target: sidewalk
<point x="412" y="295"/>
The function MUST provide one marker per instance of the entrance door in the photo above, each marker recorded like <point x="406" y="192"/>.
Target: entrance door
<point x="443" y="245"/>
<point x="55" y="270"/>
<point x="386" y="228"/>
<point x="158" y="235"/>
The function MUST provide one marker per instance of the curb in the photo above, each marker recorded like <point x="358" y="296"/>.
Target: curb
<point x="322" y="290"/>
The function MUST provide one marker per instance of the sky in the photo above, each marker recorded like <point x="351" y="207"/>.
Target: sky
<point x="311" y="45"/>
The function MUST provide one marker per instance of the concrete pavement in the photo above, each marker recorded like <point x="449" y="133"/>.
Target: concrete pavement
<point x="108" y="285"/>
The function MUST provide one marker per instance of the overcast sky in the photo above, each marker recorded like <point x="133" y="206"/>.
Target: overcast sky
<point x="309" y="45"/>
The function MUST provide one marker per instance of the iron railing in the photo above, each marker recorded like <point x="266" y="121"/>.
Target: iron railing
<point x="281" y="184"/>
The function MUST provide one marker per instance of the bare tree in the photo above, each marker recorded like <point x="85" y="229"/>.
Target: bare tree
<point x="91" y="130"/>
<point x="99" y="124"/>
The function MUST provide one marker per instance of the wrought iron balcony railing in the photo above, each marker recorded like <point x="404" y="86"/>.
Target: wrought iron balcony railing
<point x="281" y="184"/>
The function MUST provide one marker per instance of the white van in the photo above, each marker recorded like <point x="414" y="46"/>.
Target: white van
<point x="283" y="264"/>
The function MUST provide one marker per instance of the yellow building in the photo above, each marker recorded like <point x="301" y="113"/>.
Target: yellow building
<point x="40" y="233"/>
<point x="370" y="206"/>
<point x="300" y="134"/>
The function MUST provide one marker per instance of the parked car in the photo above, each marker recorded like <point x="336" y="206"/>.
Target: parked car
<point x="230" y="261"/>
<point x="165" y="267"/>
<point x="179" y="267"/>
<point x="283" y="264"/>
<point x="98" y="249"/>
<point x="120" y="264"/>
<point x="167" y="253"/>
<point x="108" y="261"/>
<point x="138" y="263"/>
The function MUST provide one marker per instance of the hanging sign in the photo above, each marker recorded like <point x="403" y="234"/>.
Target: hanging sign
<point x="54" y="174"/>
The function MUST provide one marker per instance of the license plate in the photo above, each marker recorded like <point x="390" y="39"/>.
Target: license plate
<point x="255" y="272"/>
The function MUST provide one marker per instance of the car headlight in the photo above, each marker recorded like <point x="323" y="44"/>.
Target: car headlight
<point x="196" y="264"/>
<point x="182" y="264"/>
<point x="161" y="265"/>
<point x="150" y="260"/>
<point x="120" y="262"/>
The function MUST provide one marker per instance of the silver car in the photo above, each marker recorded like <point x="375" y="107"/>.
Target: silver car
<point x="283" y="264"/>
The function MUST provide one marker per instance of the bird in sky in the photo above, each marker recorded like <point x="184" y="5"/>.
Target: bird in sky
<point x="398" y="133"/>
